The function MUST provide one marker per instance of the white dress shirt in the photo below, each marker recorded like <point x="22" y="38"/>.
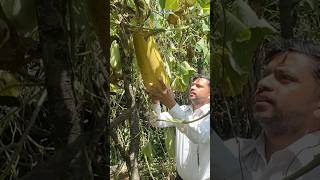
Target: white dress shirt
<point x="192" y="140"/>
<point x="281" y="164"/>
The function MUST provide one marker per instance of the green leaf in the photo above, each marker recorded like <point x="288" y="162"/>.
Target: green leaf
<point x="162" y="3"/>
<point x="178" y="84"/>
<point x="181" y="80"/>
<point x="185" y="80"/>
<point x="243" y="52"/>
<point x="235" y="29"/>
<point x="21" y="13"/>
<point x="114" y="88"/>
<point x="171" y="4"/>
<point x="147" y="150"/>
<point x="247" y="16"/>
<point x="8" y="84"/>
<point x="205" y="5"/>
<point x="115" y="55"/>
<point x="244" y="32"/>
<point x="169" y="138"/>
<point x="230" y="80"/>
<point x="186" y="68"/>
<point x="205" y="27"/>
<point x="201" y="45"/>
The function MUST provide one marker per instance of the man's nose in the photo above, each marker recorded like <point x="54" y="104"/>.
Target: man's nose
<point x="192" y="87"/>
<point x="265" y="84"/>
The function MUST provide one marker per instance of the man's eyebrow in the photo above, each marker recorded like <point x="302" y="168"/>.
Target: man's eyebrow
<point x="285" y="70"/>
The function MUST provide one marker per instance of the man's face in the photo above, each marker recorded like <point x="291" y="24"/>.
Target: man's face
<point x="286" y="95"/>
<point x="199" y="92"/>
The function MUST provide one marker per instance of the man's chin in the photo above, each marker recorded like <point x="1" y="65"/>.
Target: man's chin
<point x="263" y="117"/>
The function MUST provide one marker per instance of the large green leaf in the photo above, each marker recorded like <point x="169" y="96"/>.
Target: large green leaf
<point x="227" y="77"/>
<point x="243" y="52"/>
<point x="232" y="28"/>
<point x="21" y="13"/>
<point x="247" y="16"/>
<point x="244" y="32"/>
<point x="169" y="138"/>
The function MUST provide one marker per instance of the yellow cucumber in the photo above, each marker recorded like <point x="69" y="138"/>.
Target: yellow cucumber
<point x="149" y="60"/>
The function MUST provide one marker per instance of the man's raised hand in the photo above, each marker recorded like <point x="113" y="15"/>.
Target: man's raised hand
<point x="162" y="93"/>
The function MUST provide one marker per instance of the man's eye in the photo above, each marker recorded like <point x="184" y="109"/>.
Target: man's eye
<point x="284" y="78"/>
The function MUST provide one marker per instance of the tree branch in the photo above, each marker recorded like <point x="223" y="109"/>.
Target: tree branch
<point x="121" y="118"/>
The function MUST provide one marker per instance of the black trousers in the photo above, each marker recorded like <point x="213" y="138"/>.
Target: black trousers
<point x="178" y="177"/>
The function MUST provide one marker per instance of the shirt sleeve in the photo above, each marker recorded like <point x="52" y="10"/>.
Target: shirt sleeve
<point x="198" y="132"/>
<point x="225" y="166"/>
<point x="160" y="116"/>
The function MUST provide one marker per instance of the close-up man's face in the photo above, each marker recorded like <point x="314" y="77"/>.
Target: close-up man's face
<point x="286" y="95"/>
<point x="199" y="91"/>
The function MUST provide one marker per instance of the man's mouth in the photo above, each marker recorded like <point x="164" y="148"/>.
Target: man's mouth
<point x="262" y="103"/>
<point x="263" y="98"/>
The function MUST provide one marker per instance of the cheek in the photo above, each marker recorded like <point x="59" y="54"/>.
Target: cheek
<point x="295" y="93"/>
<point x="297" y="100"/>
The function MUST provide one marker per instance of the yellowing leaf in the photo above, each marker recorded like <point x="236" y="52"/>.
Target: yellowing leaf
<point x="8" y="84"/>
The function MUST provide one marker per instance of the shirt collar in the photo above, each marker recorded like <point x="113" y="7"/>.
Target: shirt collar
<point x="308" y="140"/>
<point x="203" y="109"/>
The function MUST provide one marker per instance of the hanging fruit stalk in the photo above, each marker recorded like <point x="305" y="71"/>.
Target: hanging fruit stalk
<point x="149" y="60"/>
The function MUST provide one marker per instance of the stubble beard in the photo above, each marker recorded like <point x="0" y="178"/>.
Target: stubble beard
<point x="197" y="101"/>
<point x="281" y="123"/>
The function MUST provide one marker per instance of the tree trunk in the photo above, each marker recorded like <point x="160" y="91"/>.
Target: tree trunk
<point x="133" y="118"/>
<point x="286" y="18"/>
<point x="54" y="38"/>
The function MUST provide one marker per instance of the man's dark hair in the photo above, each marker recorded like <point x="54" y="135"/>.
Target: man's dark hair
<point x="307" y="47"/>
<point x="201" y="76"/>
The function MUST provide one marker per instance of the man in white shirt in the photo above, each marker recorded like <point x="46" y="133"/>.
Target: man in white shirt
<point x="192" y="139"/>
<point x="287" y="106"/>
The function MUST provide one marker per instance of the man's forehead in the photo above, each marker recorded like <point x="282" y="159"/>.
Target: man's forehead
<point x="289" y="59"/>
<point x="200" y="80"/>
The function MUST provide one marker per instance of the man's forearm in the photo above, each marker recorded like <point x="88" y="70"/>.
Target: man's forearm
<point x="159" y="115"/>
<point x="198" y="134"/>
